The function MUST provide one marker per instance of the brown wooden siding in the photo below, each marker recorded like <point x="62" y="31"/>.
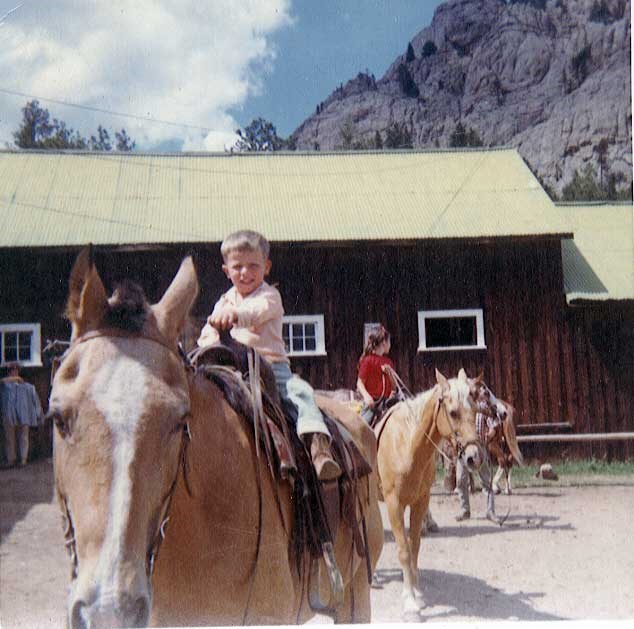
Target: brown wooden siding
<point x="552" y="362"/>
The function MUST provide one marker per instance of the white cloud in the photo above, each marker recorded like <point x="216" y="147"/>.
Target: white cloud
<point x="172" y="60"/>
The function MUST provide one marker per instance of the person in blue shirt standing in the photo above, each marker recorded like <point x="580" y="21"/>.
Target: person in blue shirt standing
<point x="21" y="410"/>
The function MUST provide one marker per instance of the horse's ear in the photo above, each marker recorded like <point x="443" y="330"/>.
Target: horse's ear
<point x="462" y="375"/>
<point x="174" y="306"/>
<point x="480" y="377"/>
<point x="87" y="301"/>
<point x="442" y="381"/>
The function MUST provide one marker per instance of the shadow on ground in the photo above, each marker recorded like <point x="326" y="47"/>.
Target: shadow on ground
<point x="448" y="594"/>
<point x="512" y="523"/>
<point x="22" y="488"/>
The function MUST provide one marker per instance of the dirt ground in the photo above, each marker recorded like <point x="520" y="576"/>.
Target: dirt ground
<point x="564" y="553"/>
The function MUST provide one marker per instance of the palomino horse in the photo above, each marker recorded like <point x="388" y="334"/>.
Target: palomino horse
<point x="408" y="441"/>
<point x="140" y="439"/>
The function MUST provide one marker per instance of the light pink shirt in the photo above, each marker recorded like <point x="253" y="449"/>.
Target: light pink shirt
<point x="259" y="322"/>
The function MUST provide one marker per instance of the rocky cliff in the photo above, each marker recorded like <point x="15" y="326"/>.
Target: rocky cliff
<point x="550" y="77"/>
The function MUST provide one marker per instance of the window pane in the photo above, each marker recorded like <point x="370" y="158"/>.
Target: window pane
<point x="10" y="346"/>
<point x="10" y="339"/>
<point x="24" y="346"/>
<point x="451" y="332"/>
<point x="302" y="334"/>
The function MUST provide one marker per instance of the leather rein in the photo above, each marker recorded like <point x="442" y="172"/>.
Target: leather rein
<point x="166" y="502"/>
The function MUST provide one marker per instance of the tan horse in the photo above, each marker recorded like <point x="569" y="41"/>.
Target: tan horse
<point x="406" y="462"/>
<point x="139" y="439"/>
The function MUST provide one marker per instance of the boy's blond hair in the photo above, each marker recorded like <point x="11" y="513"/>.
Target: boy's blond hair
<point x="245" y="240"/>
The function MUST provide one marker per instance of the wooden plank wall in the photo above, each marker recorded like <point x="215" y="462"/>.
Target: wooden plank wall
<point x="552" y="362"/>
<point x="542" y="355"/>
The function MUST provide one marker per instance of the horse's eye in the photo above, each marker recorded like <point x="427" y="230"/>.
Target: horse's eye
<point x="453" y="414"/>
<point x="60" y="421"/>
<point x="182" y="424"/>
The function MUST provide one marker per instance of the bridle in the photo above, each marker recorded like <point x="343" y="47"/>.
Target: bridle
<point x="459" y="446"/>
<point x="166" y="502"/>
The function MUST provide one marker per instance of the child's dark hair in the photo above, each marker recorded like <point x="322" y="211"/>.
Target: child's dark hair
<point x="375" y="338"/>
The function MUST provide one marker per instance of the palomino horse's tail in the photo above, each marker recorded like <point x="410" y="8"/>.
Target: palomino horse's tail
<point x="510" y="436"/>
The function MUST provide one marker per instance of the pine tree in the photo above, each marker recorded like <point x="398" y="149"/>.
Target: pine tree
<point x="38" y="131"/>
<point x="409" y="55"/>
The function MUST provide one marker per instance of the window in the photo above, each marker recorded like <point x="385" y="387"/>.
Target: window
<point x="440" y="330"/>
<point x="304" y="335"/>
<point x="20" y="342"/>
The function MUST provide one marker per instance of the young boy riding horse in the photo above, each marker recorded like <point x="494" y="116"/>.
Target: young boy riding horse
<point x="252" y="310"/>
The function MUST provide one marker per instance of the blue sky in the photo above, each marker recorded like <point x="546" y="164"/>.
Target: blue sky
<point x="187" y="74"/>
<point x="328" y="44"/>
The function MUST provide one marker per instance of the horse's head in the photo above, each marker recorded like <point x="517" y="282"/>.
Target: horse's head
<point x="485" y="401"/>
<point x="456" y="419"/>
<point x="119" y="402"/>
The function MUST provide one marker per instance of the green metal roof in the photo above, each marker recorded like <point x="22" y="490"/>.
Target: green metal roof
<point x="68" y="198"/>
<point x="598" y="264"/>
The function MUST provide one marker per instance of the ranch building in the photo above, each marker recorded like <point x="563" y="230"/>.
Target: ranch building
<point x="460" y="253"/>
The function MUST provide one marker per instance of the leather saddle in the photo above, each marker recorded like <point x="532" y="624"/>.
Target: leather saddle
<point x="319" y="507"/>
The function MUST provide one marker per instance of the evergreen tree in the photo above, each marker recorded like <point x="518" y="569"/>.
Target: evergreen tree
<point x="584" y="186"/>
<point x="260" y="135"/>
<point x="378" y="141"/>
<point x="429" y="49"/>
<point x="409" y="55"/>
<point x="346" y="133"/>
<point x="39" y="131"/>
<point x="408" y="86"/>
<point x="398" y="136"/>
<point x="602" y="157"/>
<point x="461" y="136"/>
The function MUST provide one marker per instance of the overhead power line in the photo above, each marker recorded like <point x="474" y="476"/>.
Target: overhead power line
<point x="8" y="13"/>
<point x="105" y="111"/>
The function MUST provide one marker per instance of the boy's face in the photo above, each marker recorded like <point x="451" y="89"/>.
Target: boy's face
<point x="246" y="270"/>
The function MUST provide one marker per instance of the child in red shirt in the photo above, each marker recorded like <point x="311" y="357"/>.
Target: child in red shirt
<point x="374" y="383"/>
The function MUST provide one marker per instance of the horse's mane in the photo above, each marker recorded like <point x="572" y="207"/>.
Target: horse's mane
<point x="419" y="402"/>
<point x="127" y="308"/>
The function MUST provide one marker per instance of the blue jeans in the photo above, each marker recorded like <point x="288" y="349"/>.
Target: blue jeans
<point x="462" y="483"/>
<point x="300" y="395"/>
<point x="367" y="413"/>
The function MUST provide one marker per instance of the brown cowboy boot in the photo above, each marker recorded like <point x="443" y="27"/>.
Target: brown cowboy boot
<point x="325" y="466"/>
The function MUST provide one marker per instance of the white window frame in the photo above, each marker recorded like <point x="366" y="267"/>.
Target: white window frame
<point x="36" y="342"/>
<point x="423" y="315"/>
<point x="320" y="343"/>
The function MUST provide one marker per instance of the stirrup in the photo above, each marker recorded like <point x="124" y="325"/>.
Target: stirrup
<point x="334" y="577"/>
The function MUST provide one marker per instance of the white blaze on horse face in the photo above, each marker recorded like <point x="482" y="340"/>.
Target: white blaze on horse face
<point x="460" y="392"/>
<point x="119" y="390"/>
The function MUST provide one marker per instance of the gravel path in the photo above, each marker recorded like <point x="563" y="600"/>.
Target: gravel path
<point x="564" y="553"/>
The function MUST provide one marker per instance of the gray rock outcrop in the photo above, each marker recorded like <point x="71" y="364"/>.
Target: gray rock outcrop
<point x="550" y="77"/>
